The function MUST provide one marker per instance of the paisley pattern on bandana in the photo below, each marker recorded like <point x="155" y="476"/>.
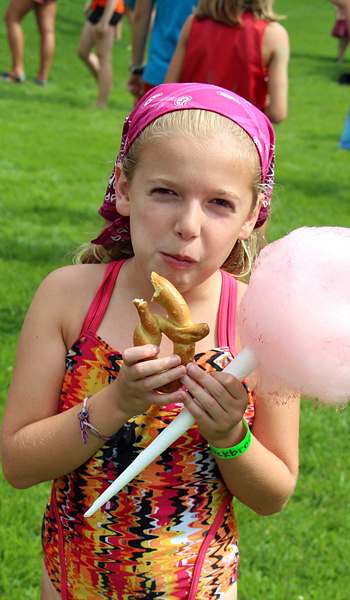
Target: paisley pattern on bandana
<point x="145" y="541"/>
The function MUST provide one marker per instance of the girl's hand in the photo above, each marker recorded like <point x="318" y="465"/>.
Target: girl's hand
<point x="102" y="27"/>
<point x="140" y="377"/>
<point x="218" y="404"/>
<point x="134" y="84"/>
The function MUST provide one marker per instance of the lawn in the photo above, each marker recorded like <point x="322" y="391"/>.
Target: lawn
<point x="56" y="155"/>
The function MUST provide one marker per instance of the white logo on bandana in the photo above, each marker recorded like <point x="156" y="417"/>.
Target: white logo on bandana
<point x="229" y="97"/>
<point x="152" y="98"/>
<point x="182" y="101"/>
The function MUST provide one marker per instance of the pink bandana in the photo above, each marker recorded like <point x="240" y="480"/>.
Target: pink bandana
<point x="169" y="97"/>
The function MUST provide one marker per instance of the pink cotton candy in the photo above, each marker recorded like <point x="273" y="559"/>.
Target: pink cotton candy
<point x="295" y="315"/>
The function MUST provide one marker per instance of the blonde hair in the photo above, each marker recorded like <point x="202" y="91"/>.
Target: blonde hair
<point x="230" y="11"/>
<point x="197" y="124"/>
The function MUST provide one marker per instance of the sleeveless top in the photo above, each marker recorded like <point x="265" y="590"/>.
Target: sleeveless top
<point x="229" y="56"/>
<point x="171" y="532"/>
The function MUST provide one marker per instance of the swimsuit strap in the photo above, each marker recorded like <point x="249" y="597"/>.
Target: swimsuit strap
<point x="227" y="313"/>
<point x="102" y="297"/>
<point x="226" y="337"/>
<point x="205" y="545"/>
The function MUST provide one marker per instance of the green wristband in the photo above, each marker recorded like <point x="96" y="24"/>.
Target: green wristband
<point x="235" y="450"/>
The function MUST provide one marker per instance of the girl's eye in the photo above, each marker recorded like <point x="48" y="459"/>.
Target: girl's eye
<point x="163" y="191"/>
<point x="223" y="203"/>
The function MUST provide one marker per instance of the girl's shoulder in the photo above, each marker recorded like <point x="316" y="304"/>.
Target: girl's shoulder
<point x="64" y="297"/>
<point x="74" y="277"/>
<point x="275" y="41"/>
<point x="276" y="32"/>
<point x="70" y="289"/>
<point x="186" y="28"/>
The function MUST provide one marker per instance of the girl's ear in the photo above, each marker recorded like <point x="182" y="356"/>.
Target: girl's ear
<point x="121" y="192"/>
<point x="250" y="222"/>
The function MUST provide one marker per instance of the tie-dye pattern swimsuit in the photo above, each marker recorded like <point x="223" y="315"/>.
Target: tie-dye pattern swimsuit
<point x="171" y="533"/>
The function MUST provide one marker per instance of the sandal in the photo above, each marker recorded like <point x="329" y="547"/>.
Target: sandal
<point x="42" y="83"/>
<point x="8" y="78"/>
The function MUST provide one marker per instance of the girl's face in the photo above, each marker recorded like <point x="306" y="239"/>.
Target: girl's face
<point x="189" y="201"/>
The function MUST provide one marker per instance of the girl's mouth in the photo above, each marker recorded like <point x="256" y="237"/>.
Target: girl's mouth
<point x="176" y="261"/>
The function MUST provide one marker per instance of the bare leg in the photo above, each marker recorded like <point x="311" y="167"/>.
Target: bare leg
<point x="16" y="11"/>
<point x="129" y="13"/>
<point x="86" y="44"/>
<point x="100" y="64"/>
<point x="104" y="47"/>
<point x="343" y="42"/>
<point x="119" y="30"/>
<point x="46" y="17"/>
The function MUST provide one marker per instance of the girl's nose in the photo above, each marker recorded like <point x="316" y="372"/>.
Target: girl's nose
<point x="188" y="221"/>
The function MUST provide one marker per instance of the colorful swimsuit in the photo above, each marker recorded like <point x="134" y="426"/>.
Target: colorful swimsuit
<point x="171" y="533"/>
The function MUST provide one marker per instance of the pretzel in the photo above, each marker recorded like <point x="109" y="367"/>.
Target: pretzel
<point x="177" y="326"/>
<point x="147" y="331"/>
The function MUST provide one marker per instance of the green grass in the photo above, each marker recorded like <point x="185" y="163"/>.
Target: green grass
<point x="56" y="154"/>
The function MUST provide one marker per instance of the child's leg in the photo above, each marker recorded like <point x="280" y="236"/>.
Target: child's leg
<point x="46" y="17"/>
<point x="16" y="10"/>
<point x="119" y="30"/>
<point x="104" y="47"/>
<point x="86" y="44"/>
<point x="343" y="42"/>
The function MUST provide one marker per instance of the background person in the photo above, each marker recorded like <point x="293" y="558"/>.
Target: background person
<point x="45" y="14"/>
<point x="165" y="25"/>
<point x="340" y="31"/>
<point x="242" y="49"/>
<point x="99" y="33"/>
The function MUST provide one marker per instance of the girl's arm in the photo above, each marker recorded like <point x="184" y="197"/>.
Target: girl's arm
<point x="139" y="36"/>
<point x="103" y="24"/>
<point x="276" y="58"/>
<point x="175" y="67"/>
<point x="37" y="443"/>
<point x="264" y="476"/>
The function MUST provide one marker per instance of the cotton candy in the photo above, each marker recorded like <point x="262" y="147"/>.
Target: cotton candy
<point x="295" y="315"/>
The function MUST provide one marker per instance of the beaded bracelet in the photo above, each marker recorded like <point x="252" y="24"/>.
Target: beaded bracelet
<point x="83" y="417"/>
<point x="235" y="450"/>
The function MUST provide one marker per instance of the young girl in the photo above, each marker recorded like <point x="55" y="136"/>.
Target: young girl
<point x="340" y="31"/>
<point x="238" y="45"/>
<point x="192" y="180"/>
<point x="99" y="32"/>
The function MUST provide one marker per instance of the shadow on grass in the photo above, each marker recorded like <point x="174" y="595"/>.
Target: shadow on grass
<point x="71" y="100"/>
<point x="325" y="66"/>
